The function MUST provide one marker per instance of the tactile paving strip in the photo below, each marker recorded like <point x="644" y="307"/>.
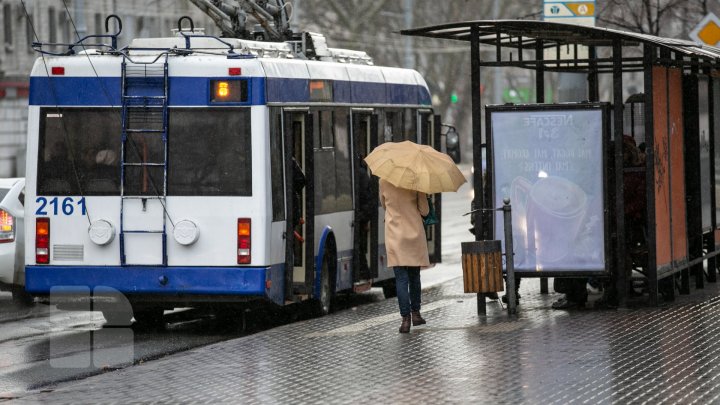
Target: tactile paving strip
<point x="648" y="355"/>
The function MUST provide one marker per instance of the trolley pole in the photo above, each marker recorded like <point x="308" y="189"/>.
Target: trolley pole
<point x="509" y="253"/>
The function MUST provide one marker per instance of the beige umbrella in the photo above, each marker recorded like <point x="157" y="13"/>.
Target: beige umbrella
<point x="415" y="167"/>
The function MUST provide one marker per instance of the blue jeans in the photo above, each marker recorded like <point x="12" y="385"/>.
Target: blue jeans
<point x="407" y="282"/>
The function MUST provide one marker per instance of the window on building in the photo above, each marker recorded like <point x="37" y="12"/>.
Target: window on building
<point x="99" y="24"/>
<point x="29" y="33"/>
<point x="64" y="28"/>
<point x="141" y="29"/>
<point x="52" y="27"/>
<point x="7" y="23"/>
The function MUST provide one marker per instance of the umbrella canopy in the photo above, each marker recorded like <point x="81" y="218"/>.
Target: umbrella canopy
<point x="415" y="167"/>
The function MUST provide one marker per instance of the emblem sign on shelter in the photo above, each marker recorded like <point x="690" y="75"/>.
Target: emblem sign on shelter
<point x="579" y="12"/>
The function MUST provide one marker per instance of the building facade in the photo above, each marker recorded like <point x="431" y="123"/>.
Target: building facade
<point x="64" y="21"/>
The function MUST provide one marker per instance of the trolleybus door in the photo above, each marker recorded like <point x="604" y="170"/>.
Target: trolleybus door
<point x="365" y="234"/>
<point x="300" y="213"/>
<point x="429" y="134"/>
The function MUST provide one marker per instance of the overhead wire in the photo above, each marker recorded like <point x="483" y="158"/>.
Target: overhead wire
<point x="53" y="90"/>
<point x="113" y="107"/>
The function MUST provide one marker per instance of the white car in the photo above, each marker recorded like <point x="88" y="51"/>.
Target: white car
<point x="12" y="234"/>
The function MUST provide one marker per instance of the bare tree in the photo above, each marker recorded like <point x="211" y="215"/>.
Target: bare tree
<point x="373" y="26"/>
<point x="654" y="17"/>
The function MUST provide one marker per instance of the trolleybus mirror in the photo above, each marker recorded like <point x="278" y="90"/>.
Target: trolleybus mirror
<point x="452" y="144"/>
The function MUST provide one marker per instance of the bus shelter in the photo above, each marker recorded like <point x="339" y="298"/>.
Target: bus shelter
<point x="638" y="177"/>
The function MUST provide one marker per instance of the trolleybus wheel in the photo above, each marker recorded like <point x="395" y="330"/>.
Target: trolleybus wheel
<point x="324" y="301"/>
<point x="150" y="317"/>
<point x="117" y="317"/>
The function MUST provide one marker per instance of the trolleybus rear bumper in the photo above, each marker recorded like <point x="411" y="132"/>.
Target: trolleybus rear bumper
<point x="259" y="282"/>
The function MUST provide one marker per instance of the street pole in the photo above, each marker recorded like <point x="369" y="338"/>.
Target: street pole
<point x="408" y="7"/>
<point x="497" y="76"/>
<point x="80" y="24"/>
<point x="509" y="258"/>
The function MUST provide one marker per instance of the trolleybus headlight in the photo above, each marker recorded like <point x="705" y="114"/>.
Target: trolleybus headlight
<point x="243" y="246"/>
<point x="42" y="240"/>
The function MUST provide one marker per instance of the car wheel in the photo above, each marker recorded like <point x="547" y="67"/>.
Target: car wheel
<point x="323" y="303"/>
<point x="22" y="298"/>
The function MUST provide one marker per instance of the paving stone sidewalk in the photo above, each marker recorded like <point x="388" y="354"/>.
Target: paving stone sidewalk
<point x="669" y="354"/>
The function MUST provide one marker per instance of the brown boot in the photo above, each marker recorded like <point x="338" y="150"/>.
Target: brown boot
<point x="405" y="325"/>
<point x="417" y="319"/>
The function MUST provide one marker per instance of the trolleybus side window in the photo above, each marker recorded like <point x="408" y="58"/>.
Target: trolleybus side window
<point x="324" y="164"/>
<point x="326" y="129"/>
<point x="343" y="189"/>
<point x="210" y="152"/>
<point x="401" y="125"/>
<point x="79" y="151"/>
<point x="410" y="130"/>
<point x="333" y="184"/>
<point x="276" y="166"/>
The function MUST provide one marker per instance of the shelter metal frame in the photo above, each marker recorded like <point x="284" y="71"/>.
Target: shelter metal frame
<point x="523" y="38"/>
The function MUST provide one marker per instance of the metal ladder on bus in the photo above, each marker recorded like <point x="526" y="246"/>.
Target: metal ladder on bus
<point x="144" y="113"/>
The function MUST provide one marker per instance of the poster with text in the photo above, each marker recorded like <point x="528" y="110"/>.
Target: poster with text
<point x="549" y="162"/>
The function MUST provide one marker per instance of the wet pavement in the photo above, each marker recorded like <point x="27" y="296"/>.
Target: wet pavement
<point x="668" y="354"/>
<point x="647" y="355"/>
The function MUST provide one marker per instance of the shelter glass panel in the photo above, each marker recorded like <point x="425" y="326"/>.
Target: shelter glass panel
<point x="716" y="132"/>
<point x="705" y="170"/>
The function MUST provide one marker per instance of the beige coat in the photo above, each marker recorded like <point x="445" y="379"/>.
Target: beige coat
<point x="405" y="239"/>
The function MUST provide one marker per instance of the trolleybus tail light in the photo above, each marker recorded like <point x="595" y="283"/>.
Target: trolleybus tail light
<point x="57" y="71"/>
<point x="42" y="240"/>
<point x="243" y="245"/>
<point x="236" y="71"/>
<point x="7" y="227"/>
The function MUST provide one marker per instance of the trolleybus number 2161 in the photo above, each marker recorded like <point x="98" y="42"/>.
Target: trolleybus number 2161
<point x="58" y="206"/>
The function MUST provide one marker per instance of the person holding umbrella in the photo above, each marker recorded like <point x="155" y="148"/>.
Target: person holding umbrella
<point x="406" y="246"/>
<point x="408" y="172"/>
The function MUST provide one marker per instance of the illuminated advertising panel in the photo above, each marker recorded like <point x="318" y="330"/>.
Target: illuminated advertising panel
<point x="549" y="162"/>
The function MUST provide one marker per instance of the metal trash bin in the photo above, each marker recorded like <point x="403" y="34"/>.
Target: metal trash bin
<point x="482" y="266"/>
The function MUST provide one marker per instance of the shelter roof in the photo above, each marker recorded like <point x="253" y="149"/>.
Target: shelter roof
<point x="528" y="33"/>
